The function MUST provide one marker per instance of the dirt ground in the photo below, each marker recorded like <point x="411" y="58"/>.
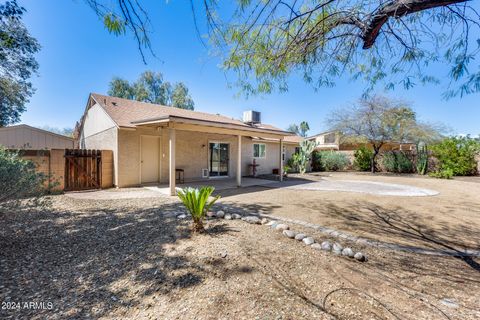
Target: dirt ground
<point x="133" y="259"/>
<point x="449" y="220"/>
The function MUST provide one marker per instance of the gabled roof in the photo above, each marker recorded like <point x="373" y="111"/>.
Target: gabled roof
<point x="13" y="127"/>
<point x="321" y="134"/>
<point x="129" y="113"/>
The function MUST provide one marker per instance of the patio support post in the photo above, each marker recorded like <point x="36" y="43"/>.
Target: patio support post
<point x="280" y="163"/>
<point x="239" y="161"/>
<point x="171" y="146"/>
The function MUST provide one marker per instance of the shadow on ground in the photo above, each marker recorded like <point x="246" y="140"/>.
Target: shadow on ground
<point x="78" y="259"/>
<point x="407" y="226"/>
<point x="393" y="224"/>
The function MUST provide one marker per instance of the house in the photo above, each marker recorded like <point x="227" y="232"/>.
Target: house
<point x="154" y="144"/>
<point x="329" y="140"/>
<point x="332" y="140"/>
<point x="26" y="137"/>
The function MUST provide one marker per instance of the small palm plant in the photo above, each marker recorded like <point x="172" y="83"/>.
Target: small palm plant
<point x="196" y="202"/>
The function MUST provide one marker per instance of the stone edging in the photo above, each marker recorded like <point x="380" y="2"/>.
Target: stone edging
<point x="373" y="243"/>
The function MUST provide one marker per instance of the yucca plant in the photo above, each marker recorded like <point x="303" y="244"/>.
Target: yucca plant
<point x="197" y="203"/>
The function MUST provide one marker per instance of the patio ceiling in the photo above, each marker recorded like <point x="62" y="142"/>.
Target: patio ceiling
<point x="188" y="124"/>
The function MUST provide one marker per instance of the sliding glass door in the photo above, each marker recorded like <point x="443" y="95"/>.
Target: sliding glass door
<point x="219" y="158"/>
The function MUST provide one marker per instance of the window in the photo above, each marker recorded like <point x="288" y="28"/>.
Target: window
<point x="297" y="149"/>
<point x="259" y="150"/>
<point x="330" y="138"/>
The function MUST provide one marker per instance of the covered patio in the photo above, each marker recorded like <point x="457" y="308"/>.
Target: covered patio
<point x="201" y="135"/>
<point x="218" y="184"/>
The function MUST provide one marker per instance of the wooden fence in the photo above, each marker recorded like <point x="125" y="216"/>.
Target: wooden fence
<point x="73" y="169"/>
<point x="83" y="169"/>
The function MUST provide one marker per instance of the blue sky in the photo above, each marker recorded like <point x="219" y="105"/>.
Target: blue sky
<point x="79" y="56"/>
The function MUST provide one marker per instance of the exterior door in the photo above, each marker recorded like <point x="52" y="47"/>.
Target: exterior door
<point x="150" y="159"/>
<point x="219" y="159"/>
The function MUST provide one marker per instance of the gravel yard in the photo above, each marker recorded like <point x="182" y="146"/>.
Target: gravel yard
<point x="449" y="220"/>
<point x="134" y="259"/>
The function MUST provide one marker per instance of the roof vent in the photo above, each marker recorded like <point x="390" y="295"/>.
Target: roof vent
<point x="114" y="103"/>
<point x="251" y="117"/>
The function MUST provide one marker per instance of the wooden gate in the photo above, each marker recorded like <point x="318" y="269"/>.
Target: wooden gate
<point x="83" y="169"/>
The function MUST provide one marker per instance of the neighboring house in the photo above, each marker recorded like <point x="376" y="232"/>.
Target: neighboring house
<point x="26" y="137"/>
<point x="151" y="142"/>
<point x="331" y="140"/>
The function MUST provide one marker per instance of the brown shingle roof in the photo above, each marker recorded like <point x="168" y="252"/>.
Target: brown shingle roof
<point x="125" y="112"/>
<point x="293" y="139"/>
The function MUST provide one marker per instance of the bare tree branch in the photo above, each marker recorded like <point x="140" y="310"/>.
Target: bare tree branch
<point x="397" y="9"/>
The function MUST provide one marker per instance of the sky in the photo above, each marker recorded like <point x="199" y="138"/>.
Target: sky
<point x="79" y="56"/>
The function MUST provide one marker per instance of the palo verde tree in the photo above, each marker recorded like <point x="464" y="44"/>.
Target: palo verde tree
<point x="378" y="120"/>
<point x="17" y="63"/>
<point x="150" y="87"/>
<point x="392" y="43"/>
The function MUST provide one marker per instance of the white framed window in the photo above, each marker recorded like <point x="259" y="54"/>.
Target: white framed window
<point x="259" y="150"/>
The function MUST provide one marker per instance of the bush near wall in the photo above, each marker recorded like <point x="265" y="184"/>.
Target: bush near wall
<point x="18" y="177"/>
<point x="363" y="159"/>
<point x="333" y="160"/>
<point x="456" y="156"/>
<point x="291" y="166"/>
<point x="317" y="164"/>
<point x="397" y="162"/>
<point x="451" y="157"/>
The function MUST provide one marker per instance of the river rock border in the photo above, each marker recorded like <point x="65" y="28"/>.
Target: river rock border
<point x="335" y="248"/>
<point x="357" y="240"/>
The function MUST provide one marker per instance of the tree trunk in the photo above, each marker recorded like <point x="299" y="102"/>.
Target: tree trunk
<point x="374" y="162"/>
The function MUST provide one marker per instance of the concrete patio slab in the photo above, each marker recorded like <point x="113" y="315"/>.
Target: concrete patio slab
<point x="153" y="191"/>
<point x="218" y="184"/>
<point x="114" y="194"/>
<point x="360" y="186"/>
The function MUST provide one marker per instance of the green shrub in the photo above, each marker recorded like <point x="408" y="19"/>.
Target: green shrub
<point x="442" y="174"/>
<point x="363" y="159"/>
<point x="317" y="164"/>
<point x="397" y="161"/>
<point x="292" y="163"/>
<point x="334" y="161"/>
<point x="18" y="178"/>
<point x="196" y="202"/>
<point x="457" y="155"/>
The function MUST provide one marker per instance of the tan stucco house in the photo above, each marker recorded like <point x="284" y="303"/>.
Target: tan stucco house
<point x="151" y="143"/>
